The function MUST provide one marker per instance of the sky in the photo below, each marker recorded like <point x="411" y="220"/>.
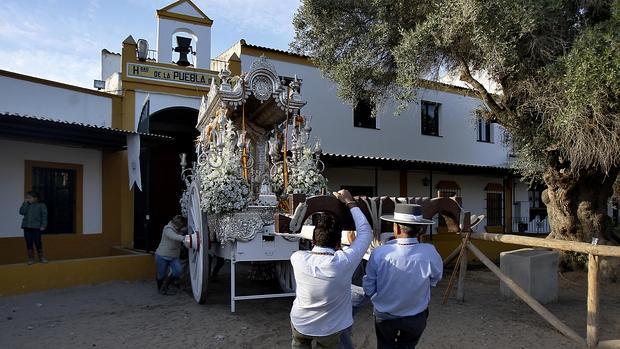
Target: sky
<point x="61" y="40"/>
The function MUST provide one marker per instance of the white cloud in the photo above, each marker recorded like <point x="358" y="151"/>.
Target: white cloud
<point x="51" y="44"/>
<point x="262" y="22"/>
<point x="45" y="39"/>
<point x="15" y="26"/>
<point x="55" y="66"/>
<point x="269" y="16"/>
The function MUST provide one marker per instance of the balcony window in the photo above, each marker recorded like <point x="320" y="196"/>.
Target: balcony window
<point x="430" y="118"/>
<point x="484" y="131"/>
<point x="286" y="81"/>
<point x="362" y="114"/>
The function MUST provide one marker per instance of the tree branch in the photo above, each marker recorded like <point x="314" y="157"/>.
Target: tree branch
<point x="467" y="77"/>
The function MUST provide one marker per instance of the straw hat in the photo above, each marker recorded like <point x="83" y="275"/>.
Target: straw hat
<point x="407" y="214"/>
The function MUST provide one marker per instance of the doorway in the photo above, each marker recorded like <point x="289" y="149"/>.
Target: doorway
<point x="161" y="174"/>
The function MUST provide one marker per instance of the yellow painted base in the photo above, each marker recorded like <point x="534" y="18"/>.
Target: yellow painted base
<point x="23" y="278"/>
<point x="445" y="243"/>
<point x="61" y="246"/>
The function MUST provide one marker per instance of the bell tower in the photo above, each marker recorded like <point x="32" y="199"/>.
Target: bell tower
<point x="184" y="35"/>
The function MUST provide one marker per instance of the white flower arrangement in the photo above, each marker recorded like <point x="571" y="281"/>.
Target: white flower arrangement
<point x="184" y="201"/>
<point x="223" y="189"/>
<point x="303" y="178"/>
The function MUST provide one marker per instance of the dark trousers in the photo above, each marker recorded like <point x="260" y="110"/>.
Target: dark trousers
<point x="400" y="333"/>
<point x="301" y="341"/>
<point x="33" y="237"/>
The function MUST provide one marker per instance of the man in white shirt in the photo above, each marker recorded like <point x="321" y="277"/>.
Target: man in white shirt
<point x="398" y="279"/>
<point x="322" y="307"/>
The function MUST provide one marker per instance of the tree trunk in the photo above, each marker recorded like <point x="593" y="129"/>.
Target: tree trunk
<point x="577" y="204"/>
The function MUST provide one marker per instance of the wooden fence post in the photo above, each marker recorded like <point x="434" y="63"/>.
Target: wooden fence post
<point x="594" y="251"/>
<point x="529" y="300"/>
<point x="460" y="285"/>
<point x="593" y="301"/>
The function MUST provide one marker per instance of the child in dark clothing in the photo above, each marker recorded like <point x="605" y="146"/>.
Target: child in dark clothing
<point x="34" y="222"/>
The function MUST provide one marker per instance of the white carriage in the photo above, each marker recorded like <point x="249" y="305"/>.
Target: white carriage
<point x="251" y="134"/>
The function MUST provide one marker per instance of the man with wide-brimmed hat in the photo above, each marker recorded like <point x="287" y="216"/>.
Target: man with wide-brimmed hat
<point x="398" y="279"/>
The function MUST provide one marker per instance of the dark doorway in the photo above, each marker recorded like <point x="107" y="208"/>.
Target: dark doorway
<point x="161" y="179"/>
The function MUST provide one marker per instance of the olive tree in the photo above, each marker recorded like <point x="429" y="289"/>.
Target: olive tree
<point x="556" y="64"/>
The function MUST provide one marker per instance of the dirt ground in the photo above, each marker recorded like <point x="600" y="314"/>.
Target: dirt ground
<point x="133" y="315"/>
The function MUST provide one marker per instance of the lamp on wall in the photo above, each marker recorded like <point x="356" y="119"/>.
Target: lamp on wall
<point x="425" y="181"/>
<point x="99" y="84"/>
<point x="143" y="49"/>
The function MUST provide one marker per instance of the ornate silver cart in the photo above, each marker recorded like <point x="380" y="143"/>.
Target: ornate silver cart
<point x="242" y="159"/>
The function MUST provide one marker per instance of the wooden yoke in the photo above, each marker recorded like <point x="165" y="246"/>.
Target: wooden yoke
<point x="449" y="208"/>
<point x="315" y="204"/>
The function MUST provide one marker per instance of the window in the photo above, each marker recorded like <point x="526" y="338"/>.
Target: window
<point x="484" y="131"/>
<point x="59" y="186"/>
<point x="494" y="209"/>
<point x="535" y="199"/>
<point x="495" y="204"/>
<point x="448" y="189"/>
<point x="362" y="114"/>
<point x="286" y="81"/>
<point x="537" y="206"/>
<point x="430" y="118"/>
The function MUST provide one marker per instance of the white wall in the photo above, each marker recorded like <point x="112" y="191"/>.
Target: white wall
<point x="36" y="99"/>
<point x="388" y="183"/>
<point x="399" y="136"/>
<point x="166" y="29"/>
<point x="415" y="187"/>
<point x="159" y="101"/>
<point x="12" y="157"/>
<point x="354" y="176"/>
<point x="110" y="64"/>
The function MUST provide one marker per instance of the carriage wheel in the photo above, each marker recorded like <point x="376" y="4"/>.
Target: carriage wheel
<point x="199" y="250"/>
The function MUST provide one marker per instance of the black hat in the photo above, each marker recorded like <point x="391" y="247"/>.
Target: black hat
<point x="407" y="214"/>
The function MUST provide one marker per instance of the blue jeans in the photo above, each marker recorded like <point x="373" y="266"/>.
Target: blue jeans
<point x="162" y="266"/>
<point x="358" y="300"/>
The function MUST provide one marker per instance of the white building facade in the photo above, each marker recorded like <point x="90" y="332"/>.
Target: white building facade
<point x="434" y="147"/>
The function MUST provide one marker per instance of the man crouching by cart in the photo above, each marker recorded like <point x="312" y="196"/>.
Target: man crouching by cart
<point x="168" y="252"/>
<point x="322" y="306"/>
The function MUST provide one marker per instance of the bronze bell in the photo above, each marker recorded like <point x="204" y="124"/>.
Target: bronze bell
<point x="183" y="48"/>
